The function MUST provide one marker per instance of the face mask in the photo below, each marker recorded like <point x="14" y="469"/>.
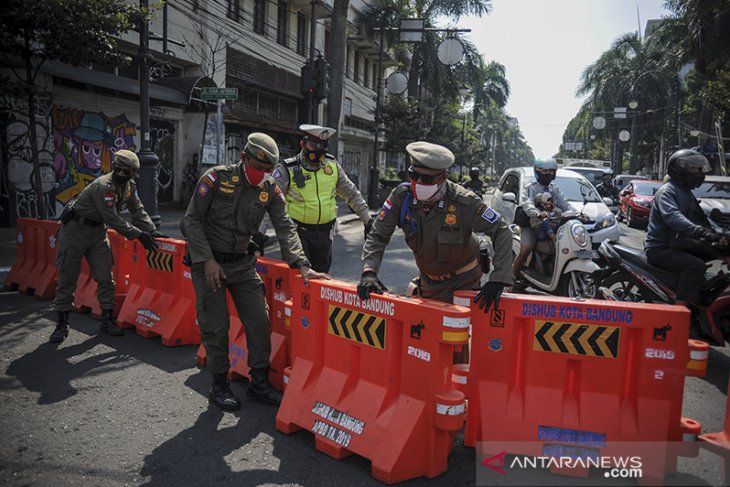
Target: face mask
<point x="695" y="180"/>
<point x="544" y="179"/>
<point x="255" y="177"/>
<point x="314" y="156"/>
<point x="120" y="180"/>
<point x="424" y="192"/>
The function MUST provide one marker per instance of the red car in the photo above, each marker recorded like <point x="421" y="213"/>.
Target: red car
<point x="634" y="201"/>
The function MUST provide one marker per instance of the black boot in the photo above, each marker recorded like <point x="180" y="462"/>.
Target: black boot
<point x="221" y="395"/>
<point x="260" y="389"/>
<point x="61" y="331"/>
<point x="108" y="325"/>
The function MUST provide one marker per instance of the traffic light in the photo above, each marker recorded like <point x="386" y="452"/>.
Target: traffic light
<point x="309" y="82"/>
<point x="322" y="70"/>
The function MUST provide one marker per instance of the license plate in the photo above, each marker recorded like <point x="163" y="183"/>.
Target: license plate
<point x="586" y="254"/>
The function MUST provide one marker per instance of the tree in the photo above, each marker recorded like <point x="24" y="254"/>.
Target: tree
<point x="76" y="32"/>
<point x="337" y="61"/>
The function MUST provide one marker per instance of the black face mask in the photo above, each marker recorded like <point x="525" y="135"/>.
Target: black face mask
<point x="120" y="180"/>
<point x="695" y="180"/>
<point x="314" y="156"/>
<point x="544" y="179"/>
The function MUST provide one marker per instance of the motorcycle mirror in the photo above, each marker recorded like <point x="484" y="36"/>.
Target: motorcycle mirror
<point x="716" y="216"/>
<point x="607" y="200"/>
<point x="510" y="197"/>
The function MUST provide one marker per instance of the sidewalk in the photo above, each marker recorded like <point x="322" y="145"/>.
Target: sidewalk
<point x="171" y="214"/>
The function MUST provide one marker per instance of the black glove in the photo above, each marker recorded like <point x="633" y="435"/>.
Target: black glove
<point x="257" y="243"/>
<point x="368" y="227"/>
<point x="158" y="234"/>
<point x="490" y="293"/>
<point x="708" y="235"/>
<point x="369" y="283"/>
<point x="148" y="242"/>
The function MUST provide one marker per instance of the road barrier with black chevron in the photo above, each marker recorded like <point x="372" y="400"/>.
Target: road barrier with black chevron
<point x="547" y="370"/>
<point x="372" y="377"/>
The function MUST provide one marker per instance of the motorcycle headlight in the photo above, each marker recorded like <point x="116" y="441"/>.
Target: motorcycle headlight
<point x="580" y="235"/>
<point x="605" y="221"/>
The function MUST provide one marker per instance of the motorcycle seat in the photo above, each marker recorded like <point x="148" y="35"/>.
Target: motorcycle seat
<point x="638" y="257"/>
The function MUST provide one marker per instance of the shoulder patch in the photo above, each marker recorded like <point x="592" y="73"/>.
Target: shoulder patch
<point x="385" y="210"/>
<point x="490" y="215"/>
<point x="276" y="174"/>
<point x="109" y="199"/>
<point x="203" y="189"/>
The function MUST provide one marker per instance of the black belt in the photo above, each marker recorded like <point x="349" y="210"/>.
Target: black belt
<point x="226" y="258"/>
<point x="86" y="221"/>
<point x="315" y="227"/>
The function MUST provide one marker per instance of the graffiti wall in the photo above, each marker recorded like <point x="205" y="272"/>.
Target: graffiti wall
<point x="17" y="194"/>
<point x="84" y="144"/>
<point x="162" y="143"/>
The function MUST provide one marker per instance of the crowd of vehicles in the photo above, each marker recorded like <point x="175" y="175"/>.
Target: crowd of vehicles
<point x="586" y="260"/>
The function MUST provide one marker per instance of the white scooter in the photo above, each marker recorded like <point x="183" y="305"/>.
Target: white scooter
<point x="569" y="270"/>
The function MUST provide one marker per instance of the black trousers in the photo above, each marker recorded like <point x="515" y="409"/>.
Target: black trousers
<point x="317" y="244"/>
<point x="691" y="270"/>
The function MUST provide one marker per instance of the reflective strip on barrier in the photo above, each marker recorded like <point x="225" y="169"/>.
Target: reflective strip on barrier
<point x="456" y="330"/>
<point x="357" y="326"/>
<point x="459" y="379"/>
<point x="699" y="354"/>
<point x="450" y="410"/>
<point x="576" y="339"/>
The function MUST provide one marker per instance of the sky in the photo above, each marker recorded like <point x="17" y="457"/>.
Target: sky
<point x="545" y="45"/>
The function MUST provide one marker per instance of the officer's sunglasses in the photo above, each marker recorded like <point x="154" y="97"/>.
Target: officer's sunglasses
<point x="124" y="171"/>
<point x="320" y="145"/>
<point x="424" y="178"/>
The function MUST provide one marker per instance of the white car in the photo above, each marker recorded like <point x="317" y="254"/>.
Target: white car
<point x="580" y="193"/>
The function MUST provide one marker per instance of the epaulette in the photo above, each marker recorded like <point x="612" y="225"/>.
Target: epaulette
<point x="291" y="161"/>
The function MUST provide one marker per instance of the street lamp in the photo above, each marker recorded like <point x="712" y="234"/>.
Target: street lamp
<point x="463" y="92"/>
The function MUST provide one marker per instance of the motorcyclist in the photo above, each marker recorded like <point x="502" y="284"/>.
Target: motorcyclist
<point x="544" y="175"/>
<point x="475" y="183"/>
<point x="675" y="214"/>
<point x="607" y="189"/>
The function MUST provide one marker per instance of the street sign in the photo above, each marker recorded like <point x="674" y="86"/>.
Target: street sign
<point x="624" y="135"/>
<point x="599" y="123"/>
<point x="219" y="93"/>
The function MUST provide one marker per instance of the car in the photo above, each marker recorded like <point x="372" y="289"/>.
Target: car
<point x="714" y="193"/>
<point x="580" y="193"/>
<point x="622" y="180"/>
<point x="592" y="174"/>
<point x="634" y="201"/>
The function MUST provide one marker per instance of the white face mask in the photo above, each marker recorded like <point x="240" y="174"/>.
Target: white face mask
<point x="424" y="192"/>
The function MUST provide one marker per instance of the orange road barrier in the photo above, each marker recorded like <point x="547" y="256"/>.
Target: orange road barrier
<point x="374" y="377"/>
<point x="160" y="300"/>
<point x="34" y="268"/>
<point x="276" y="275"/>
<point x="719" y="442"/>
<point x="586" y="374"/>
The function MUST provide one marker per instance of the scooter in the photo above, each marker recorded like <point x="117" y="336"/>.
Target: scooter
<point x="569" y="269"/>
<point x="628" y="276"/>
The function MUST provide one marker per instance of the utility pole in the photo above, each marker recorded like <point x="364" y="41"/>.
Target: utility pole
<point x="149" y="163"/>
<point x="373" y="192"/>
<point x="312" y="104"/>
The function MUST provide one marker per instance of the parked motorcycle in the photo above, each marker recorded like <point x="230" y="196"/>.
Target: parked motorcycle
<point x="628" y="276"/>
<point x="567" y="270"/>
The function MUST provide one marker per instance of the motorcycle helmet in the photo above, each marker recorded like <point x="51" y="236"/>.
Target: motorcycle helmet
<point x="545" y="171"/>
<point x="474" y="172"/>
<point x="688" y="168"/>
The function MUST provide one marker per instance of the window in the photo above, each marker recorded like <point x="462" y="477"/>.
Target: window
<point x="356" y="75"/>
<point x="233" y="9"/>
<point x="282" y="30"/>
<point x="374" y="84"/>
<point x="327" y="45"/>
<point x="259" y="16"/>
<point x="348" y="73"/>
<point x="301" y="33"/>
<point x="347" y="106"/>
<point x="366" y="73"/>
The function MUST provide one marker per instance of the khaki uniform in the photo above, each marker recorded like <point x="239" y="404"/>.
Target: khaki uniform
<point x="223" y="214"/>
<point x="317" y="235"/>
<point x="442" y="239"/>
<point x="99" y="205"/>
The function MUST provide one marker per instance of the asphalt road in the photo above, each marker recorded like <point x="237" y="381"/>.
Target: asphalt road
<point x="107" y="411"/>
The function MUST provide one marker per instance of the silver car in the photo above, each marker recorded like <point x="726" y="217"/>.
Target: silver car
<point x="579" y="192"/>
<point x="714" y="193"/>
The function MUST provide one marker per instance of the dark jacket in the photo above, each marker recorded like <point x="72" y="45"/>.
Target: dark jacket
<point x="674" y="209"/>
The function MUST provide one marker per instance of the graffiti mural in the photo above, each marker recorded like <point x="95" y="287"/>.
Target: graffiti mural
<point x="83" y="146"/>
<point x="18" y="197"/>
<point x="162" y="138"/>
